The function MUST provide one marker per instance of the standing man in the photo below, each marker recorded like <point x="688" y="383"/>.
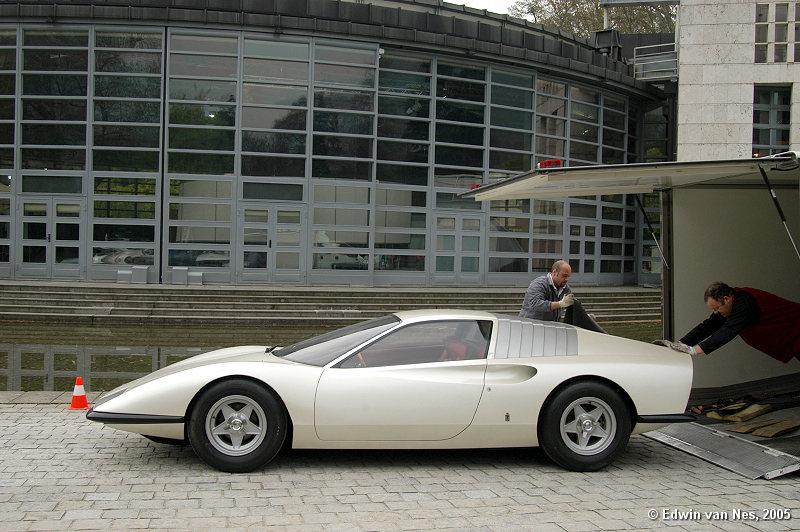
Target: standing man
<point x="764" y="321"/>
<point x="548" y="294"/>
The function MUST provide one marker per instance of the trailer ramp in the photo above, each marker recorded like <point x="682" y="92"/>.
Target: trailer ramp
<point x="732" y="452"/>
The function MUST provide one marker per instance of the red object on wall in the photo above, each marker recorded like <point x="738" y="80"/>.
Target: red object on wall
<point x="549" y="163"/>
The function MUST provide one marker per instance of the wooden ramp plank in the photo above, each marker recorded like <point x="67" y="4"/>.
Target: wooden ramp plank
<point x="776" y="429"/>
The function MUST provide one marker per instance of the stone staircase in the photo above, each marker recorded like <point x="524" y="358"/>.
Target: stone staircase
<point x="95" y="303"/>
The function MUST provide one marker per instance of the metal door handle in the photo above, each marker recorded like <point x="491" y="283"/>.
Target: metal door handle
<point x="269" y="243"/>
<point x="48" y="237"/>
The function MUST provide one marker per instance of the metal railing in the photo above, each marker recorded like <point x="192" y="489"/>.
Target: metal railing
<point x="657" y="62"/>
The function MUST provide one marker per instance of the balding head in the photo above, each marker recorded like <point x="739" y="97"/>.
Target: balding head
<point x="560" y="273"/>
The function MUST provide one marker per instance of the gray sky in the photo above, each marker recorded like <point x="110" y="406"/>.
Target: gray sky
<point x="495" y="6"/>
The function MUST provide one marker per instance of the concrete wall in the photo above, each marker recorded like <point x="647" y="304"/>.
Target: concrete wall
<point x="716" y="76"/>
<point x="735" y="236"/>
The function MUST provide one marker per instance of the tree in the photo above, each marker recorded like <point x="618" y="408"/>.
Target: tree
<point x="582" y="17"/>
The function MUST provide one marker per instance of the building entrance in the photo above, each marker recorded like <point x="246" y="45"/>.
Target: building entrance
<point x="271" y="243"/>
<point x="50" y="238"/>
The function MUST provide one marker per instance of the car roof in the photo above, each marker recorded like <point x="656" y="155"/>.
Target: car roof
<point x="443" y="314"/>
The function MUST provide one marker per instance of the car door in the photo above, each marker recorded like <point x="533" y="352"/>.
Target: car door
<point x="421" y="382"/>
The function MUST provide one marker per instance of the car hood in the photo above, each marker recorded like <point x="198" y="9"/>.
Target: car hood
<point x="246" y="353"/>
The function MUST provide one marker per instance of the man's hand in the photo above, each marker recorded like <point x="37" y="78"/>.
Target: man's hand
<point x="678" y="346"/>
<point x="567" y="301"/>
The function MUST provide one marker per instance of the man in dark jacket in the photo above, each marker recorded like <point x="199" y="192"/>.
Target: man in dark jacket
<point x="548" y="294"/>
<point x="764" y="321"/>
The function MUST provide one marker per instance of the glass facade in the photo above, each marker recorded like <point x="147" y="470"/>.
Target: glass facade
<point x="242" y="157"/>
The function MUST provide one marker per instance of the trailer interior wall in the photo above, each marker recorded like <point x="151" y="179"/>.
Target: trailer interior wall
<point x="732" y="235"/>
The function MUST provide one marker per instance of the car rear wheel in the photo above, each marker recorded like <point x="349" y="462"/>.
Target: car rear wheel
<point x="237" y="426"/>
<point x="585" y="426"/>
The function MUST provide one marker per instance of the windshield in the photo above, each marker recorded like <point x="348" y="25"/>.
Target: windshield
<point x="322" y="349"/>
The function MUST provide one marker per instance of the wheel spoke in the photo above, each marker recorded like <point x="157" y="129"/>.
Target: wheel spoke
<point x="570" y="428"/>
<point x="252" y="430"/>
<point x="578" y="411"/>
<point x="246" y="411"/>
<point x="599" y="432"/>
<point x="236" y="438"/>
<point x="222" y="428"/>
<point x="583" y="439"/>
<point x="227" y="411"/>
<point x="596" y="414"/>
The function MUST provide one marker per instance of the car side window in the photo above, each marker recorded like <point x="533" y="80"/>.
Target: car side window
<point x="419" y="343"/>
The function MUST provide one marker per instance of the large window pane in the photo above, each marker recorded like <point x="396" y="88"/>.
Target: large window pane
<point x="217" y="115"/>
<point x="340" y="261"/>
<point x="131" y="233"/>
<point x="209" y="65"/>
<point x="410" y="107"/>
<point x="53" y="85"/>
<point x="105" y="39"/>
<point x="403" y="175"/>
<point x="273" y="166"/>
<point x="342" y="122"/>
<point x="144" y="257"/>
<point x="204" y="43"/>
<point x="459" y="134"/>
<point x="459" y="157"/>
<point x="268" y="118"/>
<point x="54" y="60"/>
<point x="199" y="188"/>
<point x="462" y="71"/>
<point x="124" y="209"/>
<point x="127" y="87"/>
<point x="402" y="129"/>
<point x="126" y="161"/>
<point x="275" y="49"/>
<point x="460" y="90"/>
<point x="342" y="146"/>
<point x="330" y="216"/>
<point x="53" y="159"/>
<point x="274" y="94"/>
<point x="135" y="136"/>
<point x="266" y="141"/>
<point x="510" y="139"/>
<point x="502" y="160"/>
<point x="398" y="151"/>
<point x="344" y="239"/>
<point x="202" y="90"/>
<point x="52" y="185"/>
<point x="61" y="110"/>
<point x="272" y="191"/>
<point x="344" y="75"/>
<point x="404" y="83"/>
<point x="339" y="54"/>
<point x="508" y="264"/>
<point x="138" y="62"/>
<point x="400" y="220"/>
<point x="199" y="235"/>
<point x="122" y="111"/>
<point x="204" y="258"/>
<point x="401" y="198"/>
<point x="200" y="163"/>
<point x="124" y="185"/>
<point x="344" y="99"/>
<point x="72" y="134"/>
<point x="459" y="112"/>
<point x="201" y="139"/>
<point x="269" y="70"/>
<point x="330" y="169"/>
<point x="200" y="211"/>
<point x="512" y="118"/>
<point x="512" y="97"/>
<point x="55" y="38"/>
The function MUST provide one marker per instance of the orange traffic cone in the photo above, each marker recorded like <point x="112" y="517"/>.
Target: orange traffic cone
<point x="79" y="401"/>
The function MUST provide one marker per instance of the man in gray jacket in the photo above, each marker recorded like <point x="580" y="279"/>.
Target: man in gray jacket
<point x="548" y="294"/>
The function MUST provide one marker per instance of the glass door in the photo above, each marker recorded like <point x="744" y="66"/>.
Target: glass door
<point x="270" y="243"/>
<point x="51" y="240"/>
<point x="583" y="251"/>
<point x="457" y="245"/>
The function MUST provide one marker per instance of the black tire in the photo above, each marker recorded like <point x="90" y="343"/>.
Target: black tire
<point x="165" y="441"/>
<point x="254" y="418"/>
<point x="605" y="426"/>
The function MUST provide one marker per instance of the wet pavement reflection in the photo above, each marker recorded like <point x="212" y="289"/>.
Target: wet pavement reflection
<point x="41" y="357"/>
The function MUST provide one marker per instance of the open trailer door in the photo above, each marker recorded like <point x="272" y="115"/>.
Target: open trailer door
<point x="719" y="223"/>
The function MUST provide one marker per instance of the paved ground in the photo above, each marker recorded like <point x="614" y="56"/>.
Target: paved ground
<point x="58" y="471"/>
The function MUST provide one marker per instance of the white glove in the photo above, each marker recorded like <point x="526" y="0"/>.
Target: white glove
<point x="683" y="348"/>
<point x="566" y="301"/>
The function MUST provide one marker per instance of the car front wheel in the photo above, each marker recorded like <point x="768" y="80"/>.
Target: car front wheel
<point x="237" y="426"/>
<point x="585" y="426"/>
